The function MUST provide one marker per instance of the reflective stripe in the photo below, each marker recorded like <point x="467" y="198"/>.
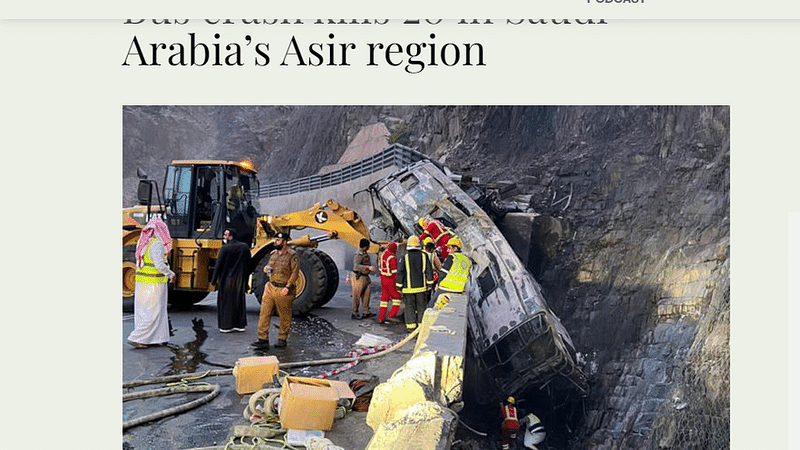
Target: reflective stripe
<point x="445" y="232"/>
<point x="415" y="290"/>
<point x="155" y="275"/>
<point x="148" y="272"/>
<point x="509" y="413"/>
<point x="457" y="276"/>
<point x="385" y="267"/>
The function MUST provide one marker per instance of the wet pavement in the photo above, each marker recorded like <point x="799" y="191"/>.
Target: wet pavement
<point x="197" y="345"/>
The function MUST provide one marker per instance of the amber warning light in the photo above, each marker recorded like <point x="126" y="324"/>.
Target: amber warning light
<point x="247" y="165"/>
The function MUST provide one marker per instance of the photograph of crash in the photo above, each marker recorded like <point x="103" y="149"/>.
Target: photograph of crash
<point x="443" y="277"/>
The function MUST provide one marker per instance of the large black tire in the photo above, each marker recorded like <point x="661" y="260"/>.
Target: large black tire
<point x="331" y="276"/>
<point x="259" y="278"/>
<point x="315" y="283"/>
<point x="312" y="283"/>
<point x="184" y="299"/>
<point x="128" y="276"/>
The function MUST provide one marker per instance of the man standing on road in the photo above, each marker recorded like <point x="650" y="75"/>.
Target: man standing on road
<point x="279" y="292"/>
<point x="389" y="293"/>
<point x="361" y="282"/>
<point x="151" y="324"/>
<point x="454" y="271"/>
<point x="230" y="276"/>
<point x="414" y="280"/>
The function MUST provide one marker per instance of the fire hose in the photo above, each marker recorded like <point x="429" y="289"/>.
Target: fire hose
<point x="215" y="389"/>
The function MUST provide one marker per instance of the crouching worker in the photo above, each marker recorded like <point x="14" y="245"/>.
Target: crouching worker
<point x="534" y="431"/>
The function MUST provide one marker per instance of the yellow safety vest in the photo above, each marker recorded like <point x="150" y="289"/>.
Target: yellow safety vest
<point x="148" y="272"/>
<point x="457" y="276"/>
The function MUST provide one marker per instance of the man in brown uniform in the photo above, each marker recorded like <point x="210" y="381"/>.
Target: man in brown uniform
<point x="279" y="292"/>
<point x="361" y="282"/>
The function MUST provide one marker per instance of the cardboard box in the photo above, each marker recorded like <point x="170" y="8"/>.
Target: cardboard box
<point x="253" y="372"/>
<point x="310" y="403"/>
<point x="344" y="392"/>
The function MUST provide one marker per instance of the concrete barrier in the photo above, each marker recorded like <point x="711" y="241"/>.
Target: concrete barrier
<point x="416" y="407"/>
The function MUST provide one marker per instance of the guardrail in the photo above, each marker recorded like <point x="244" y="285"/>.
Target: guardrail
<point x="394" y="155"/>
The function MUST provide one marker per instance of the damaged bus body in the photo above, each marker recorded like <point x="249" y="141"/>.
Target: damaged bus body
<point x="515" y="342"/>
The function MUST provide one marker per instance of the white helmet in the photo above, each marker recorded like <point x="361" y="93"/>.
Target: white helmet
<point x="534" y="434"/>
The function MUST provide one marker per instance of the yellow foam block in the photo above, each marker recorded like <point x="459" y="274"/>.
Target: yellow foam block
<point x="252" y="372"/>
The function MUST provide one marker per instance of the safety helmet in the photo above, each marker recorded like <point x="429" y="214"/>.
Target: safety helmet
<point x="412" y="242"/>
<point x="421" y="222"/>
<point x="427" y="240"/>
<point x="535" y="433"/>
<point x="455" y="242"/>
<point x="391" y="247"/>
<point x="510" y="400"/>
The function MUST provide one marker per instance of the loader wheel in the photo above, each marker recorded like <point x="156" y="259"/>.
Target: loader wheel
<point x="184" y="299"/>
<point x="128" y="276"/>
<point x="260" y="278"/>
<point x="315" y="283"/>
<point x="331" y="276"/>
<point x="310" y="283"/>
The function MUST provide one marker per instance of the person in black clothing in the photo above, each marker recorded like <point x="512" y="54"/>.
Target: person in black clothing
<point x="230" y="276"/>
<point x="414" y="281"/>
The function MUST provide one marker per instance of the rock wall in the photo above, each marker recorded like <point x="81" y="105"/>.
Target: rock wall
<point x="640" y="277"/>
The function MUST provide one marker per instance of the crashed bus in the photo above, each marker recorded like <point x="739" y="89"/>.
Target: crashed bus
<point x="514" y="340"/>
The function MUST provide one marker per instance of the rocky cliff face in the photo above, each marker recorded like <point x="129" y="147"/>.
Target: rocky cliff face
<point x="639" y="273"/>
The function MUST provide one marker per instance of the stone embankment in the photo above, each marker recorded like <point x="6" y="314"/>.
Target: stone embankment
<point x="417" y="406"/>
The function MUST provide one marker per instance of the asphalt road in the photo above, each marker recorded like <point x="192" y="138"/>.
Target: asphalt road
<point x="196" y="345"/>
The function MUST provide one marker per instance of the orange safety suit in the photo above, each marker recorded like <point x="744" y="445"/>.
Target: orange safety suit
<point x="440" y="235"/>
<point x="387" y="265"/>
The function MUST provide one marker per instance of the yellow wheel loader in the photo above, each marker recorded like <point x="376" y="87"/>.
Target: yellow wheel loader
<point x="199" y="199"/>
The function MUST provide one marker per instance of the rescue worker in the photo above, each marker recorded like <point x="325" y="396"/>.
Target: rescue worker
<point x="361" y="283"/>
<point x="510" y="425"/>
<point x="438" y="232"/>
<point x="454" y="271"/>
<point x="430" y="249"/>
<point x="414" y="280"/>
<point x="387" y="266"/>
<point x="534" y="431"/>
<point x="433" y="252"/>
<point x="283" y="270"/>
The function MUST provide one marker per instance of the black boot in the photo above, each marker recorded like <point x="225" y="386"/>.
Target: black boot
<point x="260" y="344"/>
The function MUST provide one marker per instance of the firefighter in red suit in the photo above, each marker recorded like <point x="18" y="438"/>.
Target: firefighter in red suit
<point x="387" y="266"/>
<point x="438" y="232"/>
<point x="510" y="425"/>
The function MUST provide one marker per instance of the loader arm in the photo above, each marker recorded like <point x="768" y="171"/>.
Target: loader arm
<point x="339" y="221"/>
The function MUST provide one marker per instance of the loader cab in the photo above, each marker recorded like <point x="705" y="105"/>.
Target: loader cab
<point x="203" y="198"/>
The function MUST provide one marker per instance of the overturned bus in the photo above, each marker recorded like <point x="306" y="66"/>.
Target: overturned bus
<point x="515" y="342"/>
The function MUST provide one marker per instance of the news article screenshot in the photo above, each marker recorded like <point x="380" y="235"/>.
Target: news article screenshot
<point x="561" y="226"/>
